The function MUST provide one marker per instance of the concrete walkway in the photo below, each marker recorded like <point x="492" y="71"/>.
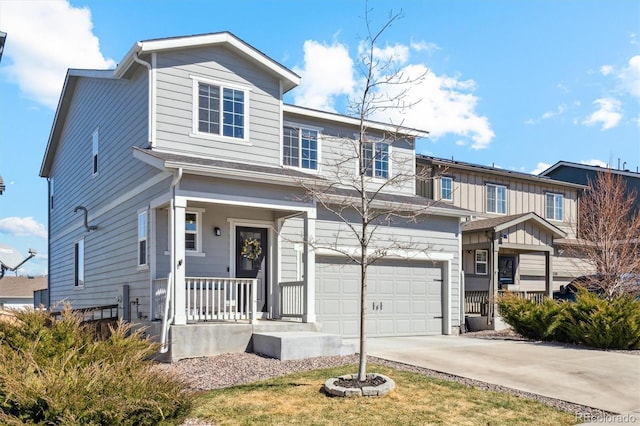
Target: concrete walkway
<point x="606" y="380"/>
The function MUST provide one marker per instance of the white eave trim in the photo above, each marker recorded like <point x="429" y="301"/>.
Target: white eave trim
<point x="329" y="116"/>
<point x="410" y="255"/>
<point x="143" y="47"/>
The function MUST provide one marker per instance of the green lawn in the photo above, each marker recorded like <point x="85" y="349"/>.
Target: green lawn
<point x="298" y="399"/>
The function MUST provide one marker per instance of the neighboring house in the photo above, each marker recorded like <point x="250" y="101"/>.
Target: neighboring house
<point x="18" y="292"/>
<point x="2" y="186"/>
<point x="515" y="240"/>
<point x="583" y="174"/>
<point x="174" y="191"/>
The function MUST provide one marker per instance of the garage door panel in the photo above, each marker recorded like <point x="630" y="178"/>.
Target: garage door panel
<point x="406" y="296"/>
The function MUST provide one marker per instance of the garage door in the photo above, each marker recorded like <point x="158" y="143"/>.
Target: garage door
<point x="404" y="298"/>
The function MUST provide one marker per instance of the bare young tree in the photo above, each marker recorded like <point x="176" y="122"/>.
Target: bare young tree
<point x="609" y="235"/>
<point x="357" y="190"/>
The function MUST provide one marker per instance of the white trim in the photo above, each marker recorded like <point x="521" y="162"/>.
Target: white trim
<point x="442" y="187"/>
<point x="302" y="127"/>
<point x="475" y="261"/>
<point x="506" y="198"/>
<point x="240" y="200"/>
<point x="154" y="98"/>
<point x="196" y="133"/>
<point x="199" y="212"/>
<point x="410" y="255"/>
<point x="555" y="194"/>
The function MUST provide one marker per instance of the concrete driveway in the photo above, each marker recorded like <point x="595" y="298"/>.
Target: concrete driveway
<point x="606" y="380"/>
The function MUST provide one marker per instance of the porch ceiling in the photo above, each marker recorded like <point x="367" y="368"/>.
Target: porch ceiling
<point x="497" y="224"/>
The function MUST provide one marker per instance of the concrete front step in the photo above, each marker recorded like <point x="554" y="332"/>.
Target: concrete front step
<point x="288" y="345"/>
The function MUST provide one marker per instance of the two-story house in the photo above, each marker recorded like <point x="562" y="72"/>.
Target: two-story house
<point x="177" y="191"/>
<point x="516" y="238"/>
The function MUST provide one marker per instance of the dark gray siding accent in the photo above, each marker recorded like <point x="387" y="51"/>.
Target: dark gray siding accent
<point x="175" y="105"/>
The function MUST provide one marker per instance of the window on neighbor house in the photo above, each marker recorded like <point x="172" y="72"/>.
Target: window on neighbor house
<point x="482" y="262"/>
<point x="78" y="276"/>
<point x="496" y="199"/>
<point x="95" y="139"/>
<point x="554" y="204"/>
<point x="220" y="110"/>
<point x="192" y="231"/>
<point x="375" y="159"/>
<point x="446" y="188"/>
<point x="300" y="147"/>
<point x="142" y="238"/>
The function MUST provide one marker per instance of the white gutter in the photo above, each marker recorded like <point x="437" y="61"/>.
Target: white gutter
<point x="150" y="114"/>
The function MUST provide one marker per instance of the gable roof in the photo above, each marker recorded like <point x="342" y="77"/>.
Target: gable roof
<point x="288" y="77"/>
<point x="497" y="224"/>
<point x="21" y="287"/>
<point x="494" y="171"/>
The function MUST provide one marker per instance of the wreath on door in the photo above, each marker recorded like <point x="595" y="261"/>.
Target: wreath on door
<point x="251" y="248"/>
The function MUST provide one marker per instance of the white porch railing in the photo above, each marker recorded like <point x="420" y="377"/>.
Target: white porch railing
<point x="477" y="301"/>
<point x="292" y="299"/>
<point x="219" y="299"/>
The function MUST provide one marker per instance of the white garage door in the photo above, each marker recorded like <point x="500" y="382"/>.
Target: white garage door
<point x="404" y="298"/>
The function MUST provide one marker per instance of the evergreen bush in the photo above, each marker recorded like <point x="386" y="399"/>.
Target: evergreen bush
<point x="53" y="371"/>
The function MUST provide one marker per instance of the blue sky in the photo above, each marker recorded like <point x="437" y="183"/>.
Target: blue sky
<point x="515" y="84"/>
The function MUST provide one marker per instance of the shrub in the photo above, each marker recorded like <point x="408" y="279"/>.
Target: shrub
<point x="590" y="320"/>
<point x="52" y="371"/>
<point x="609" y="324"/>
<point x="533" y="321"/>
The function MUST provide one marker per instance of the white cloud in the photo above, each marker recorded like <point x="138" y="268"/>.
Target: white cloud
<point x="630" y="76"/>
<point x="606" y="69"/>
<point x="561" y="109"/>
<point x="608" y="113"/>
<point x="327" y="73"/>
<point x="594" y="162"/>
<point x="441" y="104"/>
<point x="44" y="38"/>
<point x="424" y="46"/>
<point x="541" y="167"/>
<point x="22" y="227"/>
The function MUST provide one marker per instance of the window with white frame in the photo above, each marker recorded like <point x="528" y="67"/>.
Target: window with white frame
<point x="300" y="147"/>
<point x="496" y="199"/>
<point x="554" y="204"/>
<point x="78" y="275"/>
<point x="375" y="159"/>
<point x="192" y="231"/>
<point x="482" y="262"/>
<point x="220" y="110"/>
<point x="95" y="141"/>
<point x="446" y="188"/>
<point x="142" y="238"/>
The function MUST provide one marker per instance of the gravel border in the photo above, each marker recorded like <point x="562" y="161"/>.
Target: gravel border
<point x="238" y="368"/>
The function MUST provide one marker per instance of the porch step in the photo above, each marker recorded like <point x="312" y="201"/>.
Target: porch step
<point x="287" y="345"/>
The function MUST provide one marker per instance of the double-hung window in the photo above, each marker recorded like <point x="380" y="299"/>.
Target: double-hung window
<point x="142" y="238"/>
<point x="193" y="230"/>
<point x="446" y="188"/>
<point x="220" y="110"/>
<point x="300" y="147"/>
<point x="375" y="159"/>
<point x="482" y="262"/>
<point x="78" y="272"/>
<point x="496" y="199"/>
<point x="554" y="206"/>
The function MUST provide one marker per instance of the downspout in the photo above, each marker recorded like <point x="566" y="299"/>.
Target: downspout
<point x="166" y="320"/>
<point x="137" y="59"/>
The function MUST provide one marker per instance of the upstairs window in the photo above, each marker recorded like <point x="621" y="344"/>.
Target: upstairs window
<point x="446" y="188"/>
<point x="219" y="110"/>
<point x="375" y="159"/>
<point x="300" y="147"/>
<point x="554" y="206"/>
<point x="496" y="199"/>
<point x="95" y="140"/>
<point x="142" y="238"/>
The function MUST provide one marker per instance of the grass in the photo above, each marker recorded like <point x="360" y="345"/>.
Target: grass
<point x="298" y="399"/>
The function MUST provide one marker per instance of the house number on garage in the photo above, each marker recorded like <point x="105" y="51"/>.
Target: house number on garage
<point x="377" y="307"/>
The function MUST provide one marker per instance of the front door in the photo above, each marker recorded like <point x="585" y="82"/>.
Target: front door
<point x="251" y="259"/>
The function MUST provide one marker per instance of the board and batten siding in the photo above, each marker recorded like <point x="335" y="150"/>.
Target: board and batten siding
<point x="175" y="104"/>
<point x="523" y="196"/>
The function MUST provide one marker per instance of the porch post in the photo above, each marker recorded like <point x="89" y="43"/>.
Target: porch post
<point x="495" y="279"/>
<point x="309" y="311"/>
<point x="548" y="263"/>
<point x="178" y="257"/>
